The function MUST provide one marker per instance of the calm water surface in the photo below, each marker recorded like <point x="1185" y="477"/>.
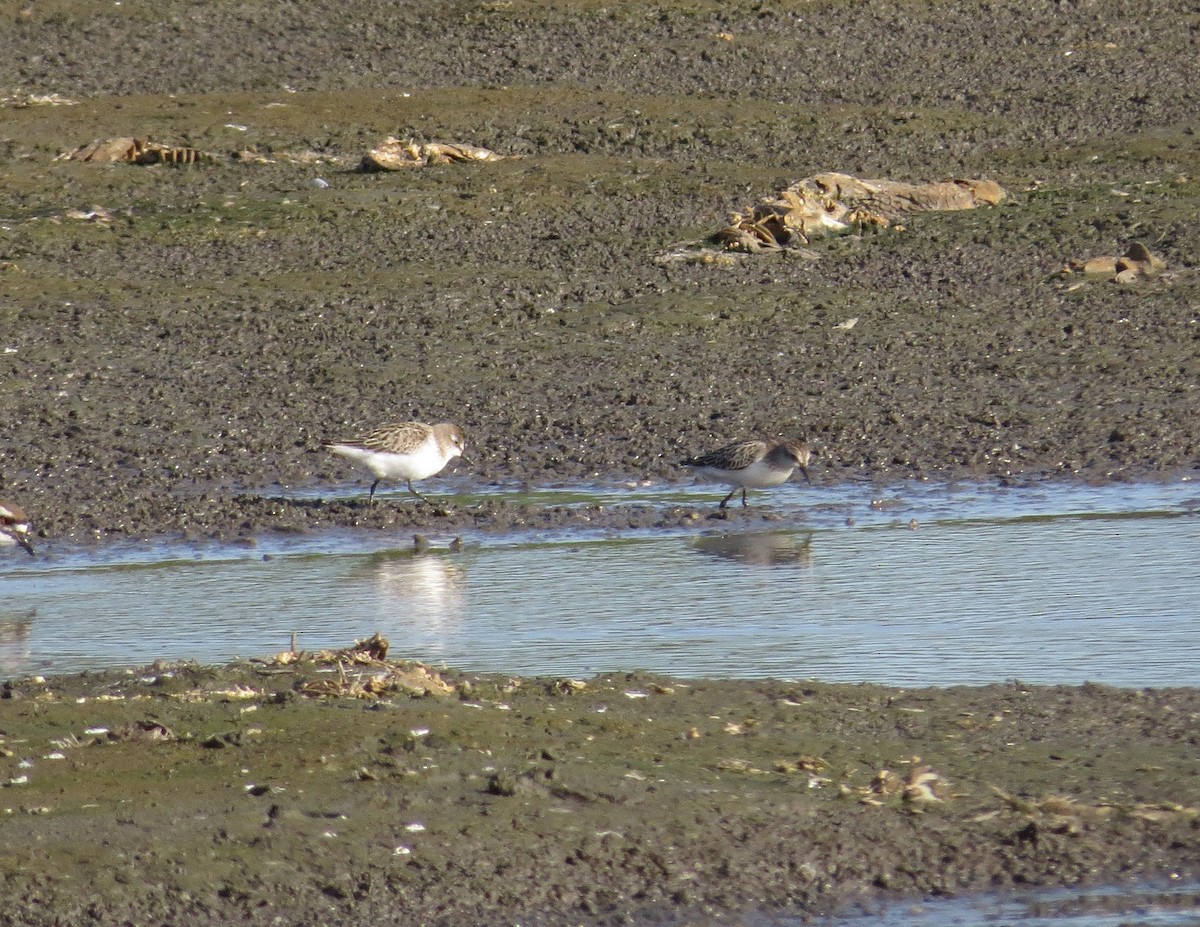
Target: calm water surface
<point x="915" y="585"/>
<point x="1137" y="906"/>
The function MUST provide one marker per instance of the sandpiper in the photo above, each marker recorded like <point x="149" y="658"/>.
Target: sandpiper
<point x="408" y="451"/>
<point x="752" y="465"/>
<point x="14" y="526"/>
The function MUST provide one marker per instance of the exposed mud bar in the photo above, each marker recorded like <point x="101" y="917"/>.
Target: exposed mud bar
<point x="348" y="788"/>
<point x="180" y="336"/>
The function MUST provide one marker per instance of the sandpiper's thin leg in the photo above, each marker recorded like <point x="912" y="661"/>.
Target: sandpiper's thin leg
<point x="415" y="493"/>
<point x="745" y="504"/>
<point x="725" y="501"/>
<point x="371" y="497"/>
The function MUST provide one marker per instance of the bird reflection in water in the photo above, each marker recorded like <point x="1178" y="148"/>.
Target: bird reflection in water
<point x="15" y="630"/>
<point x="419" y="595"/>
<point x="759" y="548"/>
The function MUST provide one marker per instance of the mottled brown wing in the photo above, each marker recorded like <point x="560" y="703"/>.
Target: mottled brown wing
<point x="735" y="456"/>
<point x="12" y="514"/>
<point x="401" y="437"/>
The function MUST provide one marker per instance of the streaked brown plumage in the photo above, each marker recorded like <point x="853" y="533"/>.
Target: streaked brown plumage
<point x="752" y="465"/>
<point x="405" y="451"/>
<point x="14" y="526"/>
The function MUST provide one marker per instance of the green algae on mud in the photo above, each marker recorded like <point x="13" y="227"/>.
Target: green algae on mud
<point x="226" y="318"/>
<point x="225" y="793"/>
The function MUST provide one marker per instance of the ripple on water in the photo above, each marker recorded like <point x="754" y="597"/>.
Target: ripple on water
<point x="1155" y="905"/>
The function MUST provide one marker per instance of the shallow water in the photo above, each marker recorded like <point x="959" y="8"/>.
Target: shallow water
<point x="1132" y="906"/>
<point x="926" y="585"/>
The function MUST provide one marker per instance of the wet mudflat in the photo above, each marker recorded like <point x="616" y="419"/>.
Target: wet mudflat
<point x="198" y="331"/>
<point x="330" y="794"/>
<point x="177" y="343"/>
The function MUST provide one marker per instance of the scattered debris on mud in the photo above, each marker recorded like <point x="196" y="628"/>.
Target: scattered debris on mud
<point x="259" y="789"/>
<point x="134" y="151"/>
<point x="828" y="204"/>
<point x="393" y="155"/>
<point x="1135" y="264"/>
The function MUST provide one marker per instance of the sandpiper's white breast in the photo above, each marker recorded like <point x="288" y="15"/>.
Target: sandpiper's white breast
<point x="409" y="451"/>
<point x="14" y="526"/>
<point x="759" y="475"/>
<point x="424" y="460"/>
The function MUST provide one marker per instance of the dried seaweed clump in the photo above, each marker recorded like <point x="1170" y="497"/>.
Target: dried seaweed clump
<point x="833" y="203"/>
<point x="134" y="151"/>
<point x="394" y="155"/>
<point x="362" y="671"/>
<point x="1135" y="264"/>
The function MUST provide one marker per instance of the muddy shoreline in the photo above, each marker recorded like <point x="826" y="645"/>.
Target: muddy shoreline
<point x="193" y="332"/>
<point x="179" y="341"/>
<point x="332" y="789"/>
